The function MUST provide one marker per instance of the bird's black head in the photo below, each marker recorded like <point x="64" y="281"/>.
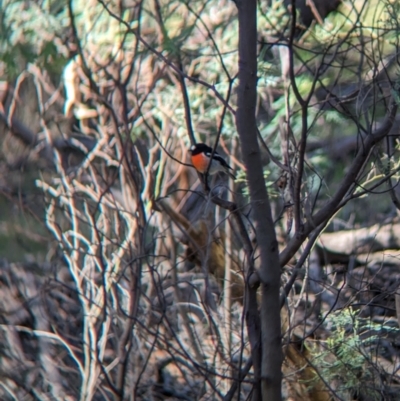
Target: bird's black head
<point x="200" y="148"/>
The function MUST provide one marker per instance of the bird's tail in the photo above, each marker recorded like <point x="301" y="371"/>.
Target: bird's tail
<point x="231" y="174"/>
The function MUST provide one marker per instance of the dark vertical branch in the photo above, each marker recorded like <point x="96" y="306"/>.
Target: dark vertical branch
<point x="186" y="104"/>
<point x="270" y="345"/>
<point x="302" y="145"/>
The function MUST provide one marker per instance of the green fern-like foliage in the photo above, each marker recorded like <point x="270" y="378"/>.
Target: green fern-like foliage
<point x="348" y="358"/>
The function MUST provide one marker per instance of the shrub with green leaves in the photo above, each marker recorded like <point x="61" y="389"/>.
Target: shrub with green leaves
<point x="348" y="359"/>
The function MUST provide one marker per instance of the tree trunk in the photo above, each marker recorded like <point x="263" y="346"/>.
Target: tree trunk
<point x="269" y="272"/>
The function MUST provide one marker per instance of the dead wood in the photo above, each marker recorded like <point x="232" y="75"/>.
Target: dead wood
<point x="78" y="144"/>
<point x="302" y="379"/>
<point x="339" y="246"/>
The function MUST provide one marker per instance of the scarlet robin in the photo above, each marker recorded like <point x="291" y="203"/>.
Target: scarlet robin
<point x="201" y="156"/>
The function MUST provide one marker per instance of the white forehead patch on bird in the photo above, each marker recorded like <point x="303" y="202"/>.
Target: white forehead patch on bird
<point x="193" y="147"/>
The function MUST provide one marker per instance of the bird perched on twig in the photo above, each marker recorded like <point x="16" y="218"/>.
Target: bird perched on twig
<point x="201" y="156"/>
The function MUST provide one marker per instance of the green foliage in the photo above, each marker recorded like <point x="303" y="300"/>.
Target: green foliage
<point x="347" y="358"/>
<point x="27" y="36"/>
<point x="273" y="17"/>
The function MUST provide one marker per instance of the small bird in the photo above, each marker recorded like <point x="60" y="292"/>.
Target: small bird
<point x="201" y="154"/>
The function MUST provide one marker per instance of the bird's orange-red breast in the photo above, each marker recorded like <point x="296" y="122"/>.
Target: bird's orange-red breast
<point x="200" y="162"/>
